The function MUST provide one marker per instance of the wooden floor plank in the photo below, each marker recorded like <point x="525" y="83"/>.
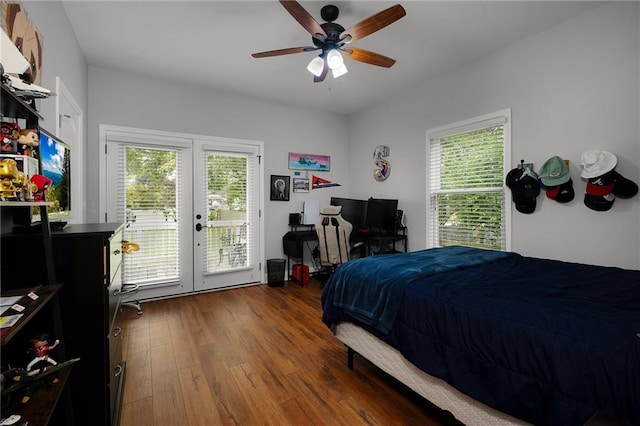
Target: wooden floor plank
<point x="137" y="384"/>
<point x="200" y="406"/>
<point x="168" y="400"/>
<point x="253" y="355"/>
<point x="139" y="413"/>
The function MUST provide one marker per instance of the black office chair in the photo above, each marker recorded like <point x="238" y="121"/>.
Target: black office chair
<point x="131" y="288"/>
<point x="333" y="239"/>
<point x="127" y="289"/>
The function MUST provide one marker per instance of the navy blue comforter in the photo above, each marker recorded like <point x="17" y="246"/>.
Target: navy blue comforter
<point x="546" y="341"/>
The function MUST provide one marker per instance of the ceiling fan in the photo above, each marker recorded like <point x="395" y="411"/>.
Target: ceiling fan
<point x="333" y="40"/>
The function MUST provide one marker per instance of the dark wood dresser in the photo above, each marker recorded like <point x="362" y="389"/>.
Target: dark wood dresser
<point x="87" y="260"/>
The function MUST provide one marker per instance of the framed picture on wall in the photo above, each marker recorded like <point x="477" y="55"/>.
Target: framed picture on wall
<point x="279" y="188"/>
<point x="309" y="162"/>
<point x="300" y="185"/>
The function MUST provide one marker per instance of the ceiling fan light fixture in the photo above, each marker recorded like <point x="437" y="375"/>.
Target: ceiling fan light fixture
<point x="334" y="59"/>
<point x="340" y="71"/>
<point x="315" y="66"/>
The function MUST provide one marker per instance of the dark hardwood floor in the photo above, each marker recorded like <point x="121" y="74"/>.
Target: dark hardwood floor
<point x="249" y="356"/>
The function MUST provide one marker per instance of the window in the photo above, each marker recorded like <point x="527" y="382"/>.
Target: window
<point x="151" y="204"/>
<point x="466" y="191"/>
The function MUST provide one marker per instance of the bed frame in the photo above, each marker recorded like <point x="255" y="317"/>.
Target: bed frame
<point x="437" y="391"/>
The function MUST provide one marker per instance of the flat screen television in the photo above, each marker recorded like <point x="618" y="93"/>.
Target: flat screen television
<point x="55" y="164"/>
<point x="353" y="211"/>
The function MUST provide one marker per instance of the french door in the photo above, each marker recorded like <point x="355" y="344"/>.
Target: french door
<point x="226" y="212"/>
<point x="191" y="205"/>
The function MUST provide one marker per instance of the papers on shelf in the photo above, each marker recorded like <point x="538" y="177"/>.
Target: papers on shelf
<point x="7" y="302"/>
<point x="9" y="320"/>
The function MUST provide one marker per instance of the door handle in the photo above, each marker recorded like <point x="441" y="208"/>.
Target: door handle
<point x="199" y="227"/>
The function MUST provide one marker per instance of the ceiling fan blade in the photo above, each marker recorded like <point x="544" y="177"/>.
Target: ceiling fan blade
<point x="322" y="76"/>
<point x="368" y="57"/>
<point x="280" y="52"/>
<point x="303" y="17"/>
<point x="373" y="23"/>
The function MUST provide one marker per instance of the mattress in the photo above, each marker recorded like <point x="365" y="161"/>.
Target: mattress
<point x="437" y="391"/>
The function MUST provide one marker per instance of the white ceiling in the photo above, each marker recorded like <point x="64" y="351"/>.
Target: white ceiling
<point x="209" y="43"/>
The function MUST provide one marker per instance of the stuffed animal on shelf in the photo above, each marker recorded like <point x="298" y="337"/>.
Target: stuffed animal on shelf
<point x="28" y="141"/>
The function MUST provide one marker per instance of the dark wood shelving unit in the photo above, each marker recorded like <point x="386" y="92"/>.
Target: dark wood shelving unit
<point x="41" y="406"/>
<point x="32" y="307"/>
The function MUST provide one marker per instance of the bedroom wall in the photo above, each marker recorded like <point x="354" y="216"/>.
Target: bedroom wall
<point x="571" y="88"/>
<point x="126" y="100"/>
<point x="61" y="58"/>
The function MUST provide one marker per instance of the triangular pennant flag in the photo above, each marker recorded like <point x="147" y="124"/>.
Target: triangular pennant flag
<point x="318" y="182"/>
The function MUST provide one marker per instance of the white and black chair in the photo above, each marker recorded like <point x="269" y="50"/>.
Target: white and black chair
<point x="334" y="233"/>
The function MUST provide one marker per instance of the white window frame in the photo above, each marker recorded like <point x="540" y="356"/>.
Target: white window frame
<point x="476" y="123"/>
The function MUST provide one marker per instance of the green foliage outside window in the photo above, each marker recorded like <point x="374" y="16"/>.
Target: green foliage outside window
<point x="226" y="184"/>
<point x="469" y="199"/>
<point x="151" y="180"/>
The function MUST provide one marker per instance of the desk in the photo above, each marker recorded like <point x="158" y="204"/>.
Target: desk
<point x="376" y="241"/>
<point x="293" y="245"/>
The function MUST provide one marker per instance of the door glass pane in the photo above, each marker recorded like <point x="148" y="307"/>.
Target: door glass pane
<point x="152" y="214"/>
<point x="227" y="219"/>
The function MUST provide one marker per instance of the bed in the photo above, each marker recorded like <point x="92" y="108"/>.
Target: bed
<point x="496" y="337"/>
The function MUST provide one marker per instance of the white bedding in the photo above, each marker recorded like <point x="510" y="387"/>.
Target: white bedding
<point x="465" y="409"/>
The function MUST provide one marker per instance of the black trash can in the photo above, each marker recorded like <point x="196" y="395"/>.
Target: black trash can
<point x="275" y="272"/>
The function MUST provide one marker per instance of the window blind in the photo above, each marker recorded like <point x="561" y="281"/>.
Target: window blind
<point x="230" y="182"/>
<point x="149" y="204"/>
<point x="466" y="191"/>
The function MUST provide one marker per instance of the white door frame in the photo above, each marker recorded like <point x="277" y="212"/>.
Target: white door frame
<point x="102" y="204"/>
<point x="69" y="113"/>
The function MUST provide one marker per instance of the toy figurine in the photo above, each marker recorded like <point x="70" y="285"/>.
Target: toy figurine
<point x="9" y="133"/>
<point x="28" y="140"/>
<point x="12" y="181"/>
<point x="41" y="350"/>
<point x="39" y="185"/>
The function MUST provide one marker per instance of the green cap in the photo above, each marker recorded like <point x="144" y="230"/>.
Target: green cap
<point x="554" y="172"/>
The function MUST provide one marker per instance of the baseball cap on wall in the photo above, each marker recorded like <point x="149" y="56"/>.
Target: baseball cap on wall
<point x="599" y="203"/>
<point x="554" y="172"/>
<point x="565" y="192"/>
<point x="624" y="188"/>
<point x="524" y="187"/>
<point x="601" y="185"/>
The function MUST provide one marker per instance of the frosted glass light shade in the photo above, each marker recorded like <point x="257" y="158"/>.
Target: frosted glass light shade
<point x="315" y="66"/>
<point x="341" y="70"/>
<point x="334" y="59"/>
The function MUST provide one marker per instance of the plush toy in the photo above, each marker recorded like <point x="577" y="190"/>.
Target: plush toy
<point x="28" y="140"/>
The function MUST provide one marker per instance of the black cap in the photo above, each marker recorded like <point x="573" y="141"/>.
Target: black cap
<point x="524" y="187"/>
<point x="565" y="192"/>
<point x="599" y="203"/>
<point x="624" y="187"/>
